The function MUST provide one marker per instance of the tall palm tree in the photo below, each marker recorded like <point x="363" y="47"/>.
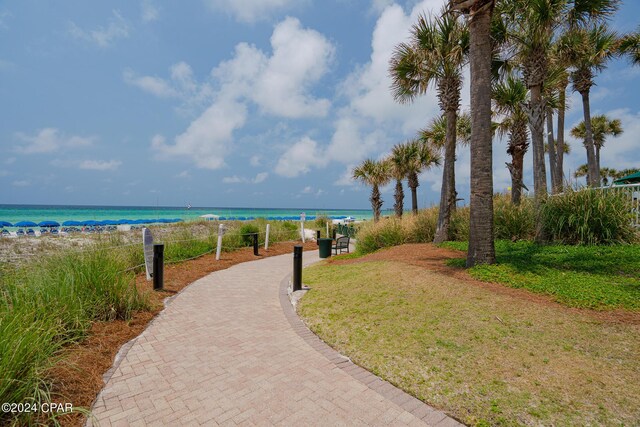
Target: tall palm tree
<point x="398" y="170"/>
<point x="435" y="56"/>
<point x="602" y="127"/>
<point x="509" y="96"/>
<point x="481" y="244"/>
<point x="373" y="173"/>
<point x="605" y="174"/>
<point x="588" y="51"/>
<point x="630" y="46"/>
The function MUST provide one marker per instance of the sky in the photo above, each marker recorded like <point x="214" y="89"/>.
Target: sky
<point x="232" y="103"/>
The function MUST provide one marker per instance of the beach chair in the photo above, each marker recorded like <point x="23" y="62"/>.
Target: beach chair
<point x="5" y="233"/>
<point x="20" y="232"/>
<point x="54" y="232"/>
<point x="342" y="243"/>
<point x="30" y="232"/>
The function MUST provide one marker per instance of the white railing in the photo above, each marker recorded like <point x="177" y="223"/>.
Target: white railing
<point x="633" y="192"/>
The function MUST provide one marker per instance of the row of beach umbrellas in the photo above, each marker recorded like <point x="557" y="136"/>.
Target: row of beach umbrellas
<point x="89" y="223"/>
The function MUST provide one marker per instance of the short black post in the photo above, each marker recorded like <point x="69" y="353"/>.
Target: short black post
<point x="255" y="243"/>
<point x="158" y="267"/>
<point x="318" y="237"/>
<point x="334" y="234"/>
<point x="297" y="267"/>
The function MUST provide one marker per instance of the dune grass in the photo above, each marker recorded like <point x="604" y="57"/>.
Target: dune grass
<point x="596" y="277"/>
<point x="484" y="358"/>
<point x="49" y="302"/>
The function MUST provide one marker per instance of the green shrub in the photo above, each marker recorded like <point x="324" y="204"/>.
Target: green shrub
<point x="588" y="216"/>
<point x="513" y="222"/>
<point x="386" y="232"/>
<point x="245" y="231"/>
<point x="421" y="228"/>
<point x="459" y="230"/>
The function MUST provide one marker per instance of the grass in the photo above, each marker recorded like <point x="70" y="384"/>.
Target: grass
<point x="596" y="277"/>
<point x="484" y="358"/>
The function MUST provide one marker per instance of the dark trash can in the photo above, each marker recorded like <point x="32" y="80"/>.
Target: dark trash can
<point x="324" y="246"/>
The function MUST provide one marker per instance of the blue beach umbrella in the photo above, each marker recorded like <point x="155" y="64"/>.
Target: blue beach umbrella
<point x="49" y="224"/>
<point x="5" y="224"/>
<point x="25" y="224"/>
<point x="71" y="223"/>
<point x="89" y="222"/>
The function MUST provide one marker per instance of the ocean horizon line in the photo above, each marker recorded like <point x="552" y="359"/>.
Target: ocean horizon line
<point x="38" y="205"/>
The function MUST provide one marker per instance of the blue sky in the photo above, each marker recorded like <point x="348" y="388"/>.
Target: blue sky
<point x="247" y="103"/>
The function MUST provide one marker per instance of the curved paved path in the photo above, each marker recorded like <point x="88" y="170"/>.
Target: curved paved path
<point x="226" y="352"/>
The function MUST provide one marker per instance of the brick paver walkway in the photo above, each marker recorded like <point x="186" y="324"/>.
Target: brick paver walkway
<point x="226" y="352"/>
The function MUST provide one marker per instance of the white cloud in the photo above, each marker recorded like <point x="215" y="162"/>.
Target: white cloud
<point x="183" y="174"/>
<point x="208" y="138"/>
<point x="235" y="179"/>
<point x="260" y="177"/>
<point x="103" y="37"/>
<point x="100" y="165"/>
<point x="4" y="17"/>
<point x="300" y="158"/>
<point x="21" y="183"/>
<point x="307" y="190"/>
<point x="150" y="84"/>
<point x="251" y="10"/>
<point x="149" y="11"/>
<point x="255" y="161"/>
<point x="49" y="140"/>
<point x="279" y="84"/>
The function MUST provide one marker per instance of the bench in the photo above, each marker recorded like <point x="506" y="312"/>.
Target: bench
<point x="342" y="243"/>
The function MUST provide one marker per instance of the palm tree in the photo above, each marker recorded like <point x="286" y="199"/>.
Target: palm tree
<point x="605" y="174"/>
<point x="588" y="51"/>
<point x="509" y="97"/>
<point x="602" y="127"/>
<point x="630" y="45"/>
<point x="435" y="136"/>
<point x="435" y="56"/>
<point x="398" y="170"/>
<point x="419" y="157"/>
<point x="481" y="244"/>
<point x="375" y="174"/>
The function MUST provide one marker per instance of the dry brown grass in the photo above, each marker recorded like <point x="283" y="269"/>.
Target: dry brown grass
<point x="485" y="357"/>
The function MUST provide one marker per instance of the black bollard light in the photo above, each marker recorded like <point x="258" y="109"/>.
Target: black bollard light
<point x="158" y="267"/>
<point x="255" y="243"/>
<point x="297" y="268"/>
<point x="317" y="237"/>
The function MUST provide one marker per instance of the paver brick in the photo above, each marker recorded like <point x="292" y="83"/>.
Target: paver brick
<point x="225" y="352"/>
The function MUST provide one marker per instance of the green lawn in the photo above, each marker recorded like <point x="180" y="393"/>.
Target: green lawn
<point x="485" y="358"/>
<point x="597" y="277"/>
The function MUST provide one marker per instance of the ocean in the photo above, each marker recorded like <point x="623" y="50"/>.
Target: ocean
<point x="37" y="213"/>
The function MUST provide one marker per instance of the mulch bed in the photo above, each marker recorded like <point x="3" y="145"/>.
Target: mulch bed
<point x="77" y="378"/>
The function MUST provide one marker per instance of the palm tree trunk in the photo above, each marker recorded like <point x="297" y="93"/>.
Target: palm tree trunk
<point x="413" y="185"/>
<point x="560" y="144"/>
<point x="536" y="122"/>
<point x="517" y="165"/>
<point x="376" y="202"/>
<point x="481" y="244"/>
<point x="593" y="177"/>
<point x="448" y="192"/>
<point x="398" y="206"/>
<point x="552" y="152"/>
<point x="597" y="147"/>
